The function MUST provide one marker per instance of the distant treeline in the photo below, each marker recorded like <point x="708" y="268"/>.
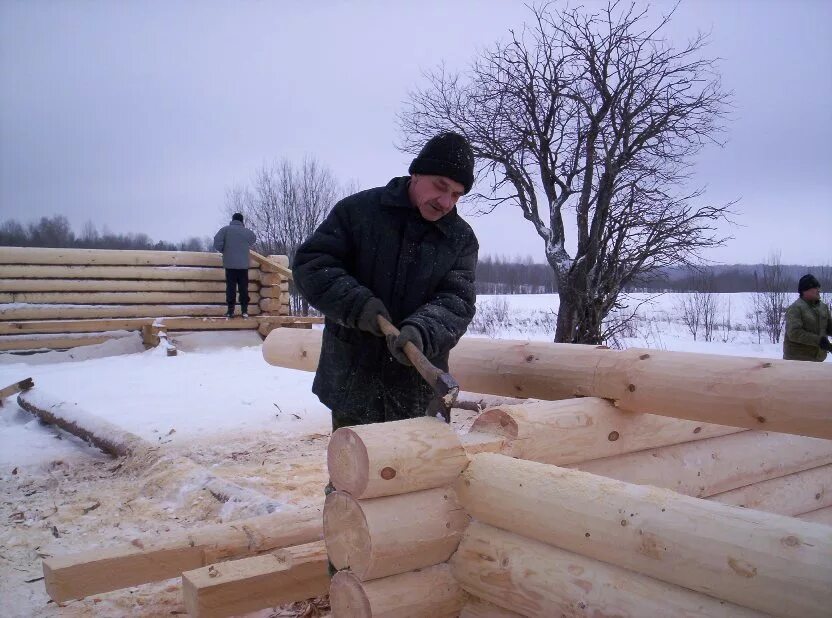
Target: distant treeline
<point x="57" y="232"/>
<point x="499" y="275"/>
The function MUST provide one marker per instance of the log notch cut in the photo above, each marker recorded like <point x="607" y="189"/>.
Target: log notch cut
<point x="391" y="535"/>
<point x="539" y="580"/>
<point x="793" y="494"/>
<point x="387" y="459"/>
<point x="773" y="564"/>
<point x="698" y="387"/>
<point x="247" y="585"/>
<point x="430" y="592"/>
<point x="576" y="430"/>
<point x="716" y="465"/>
<point x="77" y="575"/>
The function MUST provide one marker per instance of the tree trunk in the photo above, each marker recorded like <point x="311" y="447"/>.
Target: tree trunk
<point x="579" y="320"/>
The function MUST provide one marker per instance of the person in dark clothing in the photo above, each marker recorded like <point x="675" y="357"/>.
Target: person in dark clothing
<point x="808" y="324"/>
<point x="401" y="251"/>
<point x="234" y="242"/>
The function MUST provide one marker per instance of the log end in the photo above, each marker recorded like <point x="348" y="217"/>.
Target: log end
<point x="496" y="421"/>
<point x="348" y="461"/>
<point x="346" y="533"/>
<point x="347" y="596"/>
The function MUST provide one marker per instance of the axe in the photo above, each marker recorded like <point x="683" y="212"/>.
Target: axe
<point x="444" y="386"/>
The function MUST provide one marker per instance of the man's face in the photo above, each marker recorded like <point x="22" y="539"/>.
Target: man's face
<point x="812" y="295"/>
<point x="434" y="196"/>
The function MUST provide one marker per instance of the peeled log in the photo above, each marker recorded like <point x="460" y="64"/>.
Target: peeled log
<point x="740" y="392"/>
<point x="821" y="516"/>
<point x="716" y="465"/>
<point x="430" y="592"/>
<point x="247" y="585"/>
<point x="116" y="285"/>
<point x="80" y="574"/>
<point x="791" y="495"/>
<point x="110" y="257"/>
<point x="479" y="608"/>
<point x="57" y="342"/>
<point x="71" y="312"/>
<point x="274" y="305"/>
<point x="386" y="459"/>
<point x="274" y="279"/>
<point x="118" y="298"/>
<point x="539" y="580"/>
<point x="387" y="536"/>
<point x="575" y="430"/>
<point x="777" y="565"/>
<point x="175" y="273"/>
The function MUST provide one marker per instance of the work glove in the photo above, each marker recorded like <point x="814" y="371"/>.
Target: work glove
<point x="396" y="344"/>
<point x="368" y="318"/>
<point x="825" y="344"/>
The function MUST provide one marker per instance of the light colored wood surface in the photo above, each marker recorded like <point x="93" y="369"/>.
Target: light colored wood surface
<point x="110" y="257"/>
<point x="744" y="392"/>
<point x="575" y="430"/>
<point x="716" y="465"/>
<point x="73" y="312"/>
<point x="428" y="593"/>
<point x="385" y="459"/>
<point x="30" y="286"/>
<point x="539" y="580"/>
<point x="250" y="584"/>
<point x="777" y="565"/>
<point x="153" y="273"/>
<point x="387" y="536"/>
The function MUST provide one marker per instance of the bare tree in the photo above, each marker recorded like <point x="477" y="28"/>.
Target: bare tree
<point x="593" y="114"/>
<point x="771" y="297"/>
<point x="284" y="205"/>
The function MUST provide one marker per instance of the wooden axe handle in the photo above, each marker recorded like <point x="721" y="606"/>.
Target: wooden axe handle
<point x="426" y="369"/>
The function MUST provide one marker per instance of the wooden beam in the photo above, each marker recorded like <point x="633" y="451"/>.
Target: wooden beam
<point x="777" y="565"/>
<point x="423" y="453"/>
<point x="17" y="387"/>
<point x="71" y="312"/>
<point x="429" y="592"/>
<point x="387" y="536"/>
<point x="791" y="495"/>
<point x="716" y="465"/>
<point x="109" y="257"/>
<point x="536" y="579"/>
<point x="104" y="324"/>
<point x="575" y="430"/>
<point x="821" y="516"/>
<point x="271" y="265"/>
<point x="479" y="608"/>
<point x="174" y="273"/>
<point x="81" y="574"/>
<point x="114" y="285"/>
<point x="247" y="585"/>
<point x="119" y="298"/>
<point x="10" y="343"/>
<point x="740" y="392"/>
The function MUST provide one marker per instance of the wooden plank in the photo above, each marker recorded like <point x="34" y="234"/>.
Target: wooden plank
<point x="247" y="585"/>
<point x="119" y="298"/>
<point x="10" y="343"/>
<point x="753" y="393"/>
<point x="80" y="574"/>
<point x="68" y="312"/>
<point x="774" y="564"/>
<point x="271" y="265"/>
<point x="171" y="273"/>
<point x="17" y="387"/>
<point x="114" y="285"/>
<point x="104" y="324"/>
<point x="109" y="257"/>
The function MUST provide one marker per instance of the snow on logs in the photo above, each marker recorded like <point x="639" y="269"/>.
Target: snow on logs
<point x="773" y="564"/>
<point x="740" y="392"/>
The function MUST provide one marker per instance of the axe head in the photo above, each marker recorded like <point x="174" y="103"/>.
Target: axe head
<point x="446" y="390"/>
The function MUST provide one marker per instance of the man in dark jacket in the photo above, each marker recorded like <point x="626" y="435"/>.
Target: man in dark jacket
<point x="234" y="242"/>
<point x="401" y="251"/>
<point x="808" y="325"/>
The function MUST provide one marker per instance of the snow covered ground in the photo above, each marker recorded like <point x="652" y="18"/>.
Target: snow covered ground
<point x="220" y="404"/>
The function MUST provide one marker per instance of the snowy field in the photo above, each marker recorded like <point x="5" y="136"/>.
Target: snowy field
<point x="220" y="404"/>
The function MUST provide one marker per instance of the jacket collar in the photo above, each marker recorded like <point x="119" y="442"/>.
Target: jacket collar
<point x="397" y="196"/>
<point x="235" y="222"/>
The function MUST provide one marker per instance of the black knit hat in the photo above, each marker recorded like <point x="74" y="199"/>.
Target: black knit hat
<point x="237" y="217"/>
<point x="449" y="155"/>
<point x="807" y="282"/>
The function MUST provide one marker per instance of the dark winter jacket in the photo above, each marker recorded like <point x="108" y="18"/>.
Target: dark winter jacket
<point x="234" y="242"/>
<point x="375" y="243"/>
<point x="806" y="323"/>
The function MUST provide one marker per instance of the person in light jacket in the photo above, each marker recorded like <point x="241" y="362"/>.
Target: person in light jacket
<point x="234" y="242"/>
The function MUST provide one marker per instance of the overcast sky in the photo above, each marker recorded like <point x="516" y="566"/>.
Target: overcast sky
<point x="140" y="115"/>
